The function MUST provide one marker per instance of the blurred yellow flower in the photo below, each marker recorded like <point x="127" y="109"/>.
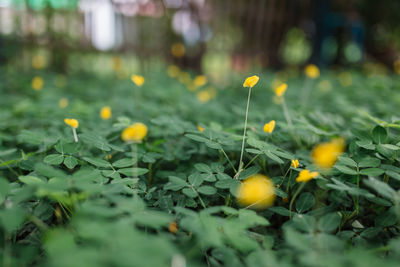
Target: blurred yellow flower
<point x="105" y="113"/>
<point x="200" y="80"/>
<point x="256" y="192"/>
<point x="306" y="175"/>
<point x="325" y="154"/>
<point x="135" y="132"/>
<point x="280" y="90"/>
<point x="204" y="96"/>
<point x="201" y="129"/>
<point x="137" y="79"/>
<point x="72" y="123"/>
<point x="251" y="81"/>
<point x="345" y="79"/>
<point x="63" y="102"/>
<point x="173" y="71"/>
<point x="38" y="62"/>
<point x="311" y="71"/>
<point x="325" y="86"/>
<point x="173" y="227"/>
<point x="178" y="50"/>
<point x="116" y="63"/>
<point x="37" y="83"/>
<point x="269" y="127"/>
<point x="294" y="163"/>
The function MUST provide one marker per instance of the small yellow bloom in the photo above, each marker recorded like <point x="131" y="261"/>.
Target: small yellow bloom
<point x="325" y="154"/>
<point x="105" y="113"/>
<point x="108" y="157"/>
<point x="204" y="96"/>
<point x="173" y="227"/>
<point x="257" y="192"/>
<point x="37" y="83"/>
<point x="178" y="50"/>
<point x="72" y="122"/>
<point x="173" y="71"/>
<point x="251" y="81"/>
<point x="325" y="86"/>
<point x="38" y="62"/>
<point x="311" y="71"/>
<point x="201" y="129"/>
<point x="200" y="80"/>
<point x="269" y="127"/>
<point x="294" y="163"/>
<point x="345" y="79"/>
<point x="137" y="79"/>
<point x="306" y="175"/>
<point x="63" y="102"/>
<point x="280" y="90"/>
<point x="135" y="132"/>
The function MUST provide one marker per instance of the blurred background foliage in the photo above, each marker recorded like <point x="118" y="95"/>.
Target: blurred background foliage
<point x="208" y="36"/>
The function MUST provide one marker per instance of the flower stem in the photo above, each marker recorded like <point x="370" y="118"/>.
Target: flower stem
<point x="244" y="136"/>
<point x="75" y="135"/>
<point x="294" y="197"/>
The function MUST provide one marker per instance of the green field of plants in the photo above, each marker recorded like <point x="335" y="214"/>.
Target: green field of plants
<point x="155" y="175"/>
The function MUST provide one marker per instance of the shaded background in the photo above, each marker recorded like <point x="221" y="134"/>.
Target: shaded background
<point x="207" y="36"/>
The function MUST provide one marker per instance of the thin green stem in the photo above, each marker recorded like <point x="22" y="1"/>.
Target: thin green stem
<point x="227" y="158"/>
<point x="295" y="196"/>
<point x="244" y="136"/>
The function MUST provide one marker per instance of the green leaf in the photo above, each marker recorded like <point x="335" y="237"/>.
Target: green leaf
<point x="305" y="202"/>
<point x="54" y="159"/>
<point x="369" y="162"/>
<point x="382" y="188"/>
<point x="329" y="222"/>
<point x="97" y="162"/>
<point x="175" y="183"/>
<point x="367" y="144"/>
<point x="70" y="162"/>
<point x="126" y="162"/>
<point x="274" y="157"/>
<point x="31" y="180"/>
<point x="189" y="192"/>
<point x="202" y="167"/>
<point x="379" y="135"/>
<point x="195" y="179"/>
<point x="225" y="184"/>
<point x="345" y="169"/>
<point x="372" y="171"/>
<point x="387" y="218"/>
<point x="347" y="161"/>
<point x="207" y="190"/>
<point x="133" y="171"/>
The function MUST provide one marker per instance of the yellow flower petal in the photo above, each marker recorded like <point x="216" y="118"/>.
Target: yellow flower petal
<point x="281" y="89"/>
<point x="294" y="163"/>
<point x="105" y="113"/>
<point x="251" y="81"/>
<point x="137" y="79"/>
<point x="311" y="71"/>
<point x="325" y="155"/>
<point x="269" y="127"/>
<point x="256" y="192"/>
<point x="135" y="132"/>
<point x="201" y="129"/>
<point x="306" y="175"/>
<point x="63" y="102"/>
<point x="178" y="50"/>
<point x="37" y="83"/>
<point x="72" y="122"/>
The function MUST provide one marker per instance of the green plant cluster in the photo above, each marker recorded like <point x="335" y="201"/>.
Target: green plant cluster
<point x="104" y="202"/>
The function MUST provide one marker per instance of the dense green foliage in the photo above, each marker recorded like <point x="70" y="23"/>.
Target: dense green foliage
<point x="102" y="202"/>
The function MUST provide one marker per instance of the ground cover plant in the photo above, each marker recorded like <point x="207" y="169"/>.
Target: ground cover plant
<point x="154" y="169"/>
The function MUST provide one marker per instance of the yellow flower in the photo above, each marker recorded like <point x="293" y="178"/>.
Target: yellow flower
<point x="63" y="102"/>
<point x="178" y="50"/>
<point x="173" y="227"/>
<point x="280" y="90"/>
<point x="325" y="86"/>
<point x="251" y="81"/>
<point x="105" y="113"/>
<point x="135" y="132"/>
<point x="204" y="96"/>
<point x="37" y="83"/>
<point x="137" y="79"/>
<point x="38" y="62"/>
<point x="269" y="127"/>
<point x="311" y="71"/>
<point x="306" y="175"/>
<point x="294" y="163"/>
<point x="201" y="129"/>
<point x="257" y="192"/>
<point x="173" y="71"/>
<point x="116" y="63"/>
<point x="200" y="80"/>
<point x="345" y="79"/>
<point x="325" y="154"/>
<point x="72" y="122"/>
